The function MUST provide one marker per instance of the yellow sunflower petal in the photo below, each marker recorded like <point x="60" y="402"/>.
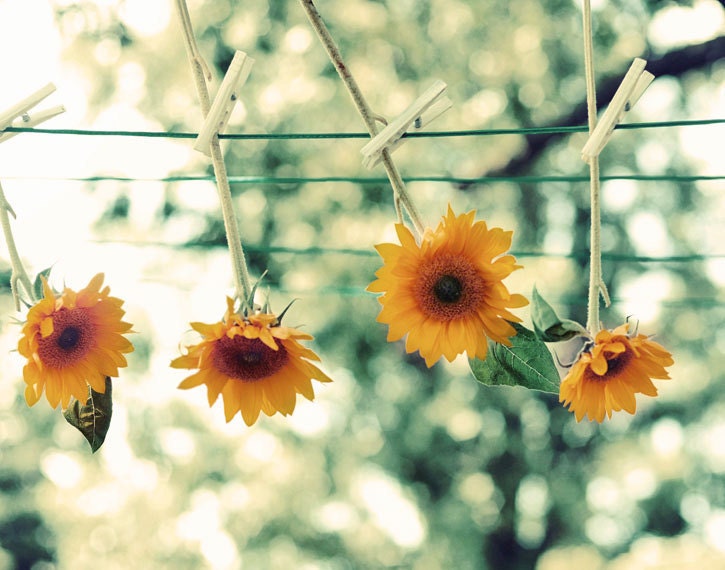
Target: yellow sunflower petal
<point x="203" y="329"/>
<point x="89" y="296"/>
<point x="266" y="337"/>
<point x="232" y="396"/>
<point x="599" y="365"/>
<point x="196" y="379"/>
<point x="281" y="395"/>
<point x="46" y="327"/>
<point x="406" y="238"/>
<point x="53" y="389"/>
<point x="78" y="389"/>
<point x="214" y="385"/>
<point x="31" y="395"/>
<point x="251" y="403"/>
<point x="185" y="361"/>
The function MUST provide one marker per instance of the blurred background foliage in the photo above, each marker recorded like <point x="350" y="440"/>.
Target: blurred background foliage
<point x="394" y="465"/>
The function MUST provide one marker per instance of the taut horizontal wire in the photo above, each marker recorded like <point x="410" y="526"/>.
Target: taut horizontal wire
<point x="577" y="255"/>
<point x="582" y="255"/>
<point x="297" y="136"/>
<point x="360" y="292"/>
<point x="682" y="303"/>
<point x="375" y="180"/>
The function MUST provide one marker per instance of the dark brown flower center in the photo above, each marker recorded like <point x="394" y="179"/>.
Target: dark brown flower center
<point x="616" y="363"/>
<point x="248" y="359"/>
<point x="73" y="336"/>
<point x="69" y="338"/>
<point x="448" y="289"/>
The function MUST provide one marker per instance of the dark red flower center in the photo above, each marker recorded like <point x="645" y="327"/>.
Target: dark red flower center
<point x="449" y="287"/>
<point x="248" y="359"/>
<point x="72" y="338"/>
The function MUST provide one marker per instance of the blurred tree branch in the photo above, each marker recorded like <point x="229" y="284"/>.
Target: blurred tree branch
<point x="674" y="63"/>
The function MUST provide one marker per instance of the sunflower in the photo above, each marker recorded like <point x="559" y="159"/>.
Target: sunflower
<point x="446" y="293"/>
<point x="607" y="377"/>
<point x="71" y="341"/>
<point x="253" y="362"/>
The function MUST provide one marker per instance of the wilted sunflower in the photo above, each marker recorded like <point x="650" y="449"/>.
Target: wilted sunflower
<point x="253" y="362"/>
<point x="71" y="341"/>
<point x="606" y="378"/>
<point x="447" y="293"/>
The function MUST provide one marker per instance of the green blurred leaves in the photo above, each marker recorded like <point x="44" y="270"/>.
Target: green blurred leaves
<point x="527" y="362"/>
<point x="94" y="418"/>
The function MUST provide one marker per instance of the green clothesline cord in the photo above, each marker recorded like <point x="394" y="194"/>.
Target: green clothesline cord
<point x="376" y="180"/>
<point x="298" y="136"/>
<point x="567" y="300"/>
<point x="352" y="291"/>
<point x="577" y="255"/>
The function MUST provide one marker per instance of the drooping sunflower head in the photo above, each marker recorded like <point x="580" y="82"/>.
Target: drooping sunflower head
<point x="607" y="377"/>
<point x="446" y="293"/>
<point x="256" y="364"/>
<point x="73" y="340"/>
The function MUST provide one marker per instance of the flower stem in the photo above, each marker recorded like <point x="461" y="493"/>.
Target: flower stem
<point x="596" y="284"/>
<point x="400" y="193"/>
<point x="18" y="274"/>
<point x="201" y="73"/>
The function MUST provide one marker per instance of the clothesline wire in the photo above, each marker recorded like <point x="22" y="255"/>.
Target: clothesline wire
<point x="681" y="303"/>
<point x="359" y="291"/>
<point x="315" y="250"/>
<point x="373" y="180"/>
<point x="358" y="135"/>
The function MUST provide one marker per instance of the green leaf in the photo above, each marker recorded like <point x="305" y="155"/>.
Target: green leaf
<point x="527" y="362"/>
<point x="38" y="284"/>
<point x="548" y="325"/>
<point x="94" y="418"/>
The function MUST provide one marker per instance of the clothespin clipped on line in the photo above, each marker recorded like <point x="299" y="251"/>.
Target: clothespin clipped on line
<point x="430" y="105"/>
<point x="221" y="109"/>
<point x="633" y="86"/>
<point x="18" y="115"/>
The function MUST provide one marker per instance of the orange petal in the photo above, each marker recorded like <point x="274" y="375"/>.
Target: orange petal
<point x="46" y="327"/>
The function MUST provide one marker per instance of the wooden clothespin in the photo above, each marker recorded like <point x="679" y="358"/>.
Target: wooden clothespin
<point x="430" y="105"/>
<point x="633" y="85"/>
<point x="18" y="116"/>
<point x="221" y="109"/>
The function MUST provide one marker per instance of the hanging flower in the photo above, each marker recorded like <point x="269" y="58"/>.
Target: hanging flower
<point x="446" y="293"/>
<point x="606" y="378"/>
<point x="253" y="362"/>
<point x="71" y="341"/>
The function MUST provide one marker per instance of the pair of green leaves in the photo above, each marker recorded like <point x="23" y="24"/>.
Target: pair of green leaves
<point x="528" y="362"/>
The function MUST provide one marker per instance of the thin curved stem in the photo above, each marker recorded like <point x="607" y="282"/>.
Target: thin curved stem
<point x="201" y="74"/>
<point x="18" y="274"/>
<point x="401" y="196"/>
